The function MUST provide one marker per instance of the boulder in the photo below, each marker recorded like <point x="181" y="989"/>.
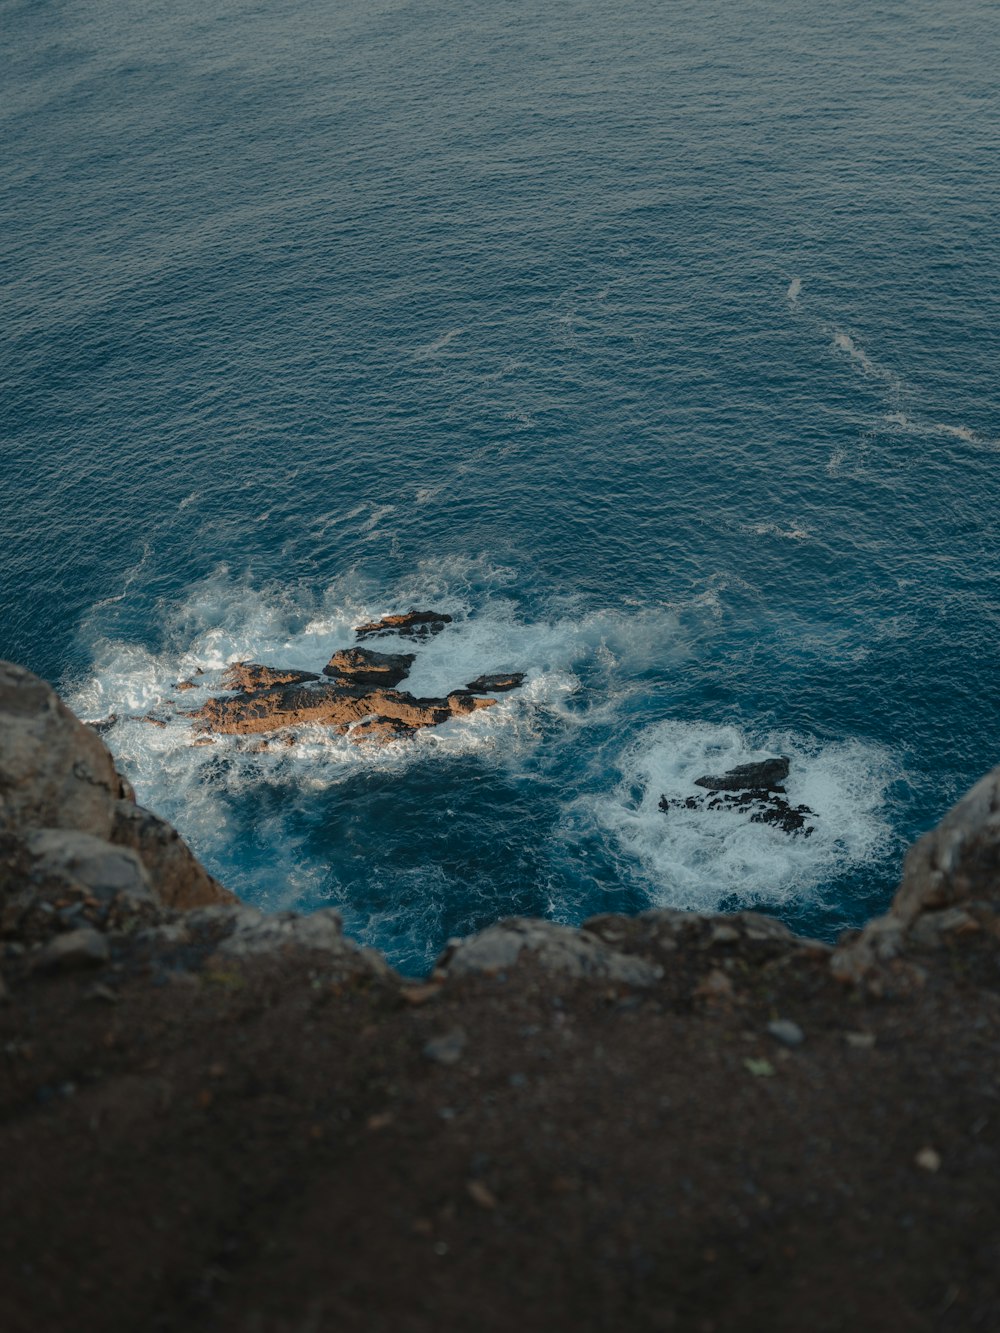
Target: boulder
<point x="765" y="775"/>
<point x="254" y="676"/>
<point x="81" y="860"/>
<point x="77" y="949"/>
<point x="496" y="684"/>
<point x="364" y="666"/>
<point x="574" y="953"/>
<point x="410" y="625"/>
<point x="54" y="771"/>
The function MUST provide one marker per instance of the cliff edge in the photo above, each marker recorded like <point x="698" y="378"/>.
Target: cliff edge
<point x="216" y="1119"/>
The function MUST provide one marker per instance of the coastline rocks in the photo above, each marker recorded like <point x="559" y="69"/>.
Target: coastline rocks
<point x="364" y="666"/>
<point x="254" y="676"/>
<point x="328" y="705"/>
<point x="410" y="625"/>
<point x="754" y="787"/>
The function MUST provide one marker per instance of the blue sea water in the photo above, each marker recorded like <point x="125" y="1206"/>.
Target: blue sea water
<point x="657" y="343"/>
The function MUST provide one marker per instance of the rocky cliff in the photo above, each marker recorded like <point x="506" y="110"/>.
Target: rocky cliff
<point x="212" y="1118"/>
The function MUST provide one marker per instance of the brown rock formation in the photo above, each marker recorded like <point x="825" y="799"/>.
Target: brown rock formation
<point x="253" y="676"/>
<point x="336" y="706"/>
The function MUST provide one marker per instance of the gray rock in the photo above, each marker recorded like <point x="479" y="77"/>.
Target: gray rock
<point x="958" y="861"/>
<point x="75" y="950"/>
<point x="178" y="878"/>
<point x="256" y="933"/>
<point x="102" y="869"/>
<point x="787" y="1032"/>
<point x="447" y="1049"/>
<point x="573" y="953"/>
<point x="54" y="771"/>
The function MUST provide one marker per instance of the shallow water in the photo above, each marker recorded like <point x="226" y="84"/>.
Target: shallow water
<point x="657" y="345"/>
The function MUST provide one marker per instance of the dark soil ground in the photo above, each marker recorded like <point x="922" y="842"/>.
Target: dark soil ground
<point x="196" y="1145"/>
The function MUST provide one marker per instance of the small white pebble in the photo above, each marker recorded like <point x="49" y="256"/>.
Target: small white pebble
<point x="928" y="1159"/>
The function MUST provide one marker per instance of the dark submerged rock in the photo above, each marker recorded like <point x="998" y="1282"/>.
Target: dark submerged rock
<point x="364" y="666"/>
<point x="766" y="775"/>
<point x="497" y="684"/>
<point x="409" y="625"/>
<point x="754" y="787"/>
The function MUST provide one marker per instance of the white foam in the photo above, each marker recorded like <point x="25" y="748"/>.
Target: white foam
<point x="794" y="290"/>
<point x="193" y="785"/>
<point x="698" y="859"/>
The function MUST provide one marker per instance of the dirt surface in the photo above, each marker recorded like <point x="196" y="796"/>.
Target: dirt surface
<point x="193" y="1142"/>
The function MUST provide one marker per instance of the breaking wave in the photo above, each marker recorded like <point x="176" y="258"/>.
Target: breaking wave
<point x="704" y="859"/>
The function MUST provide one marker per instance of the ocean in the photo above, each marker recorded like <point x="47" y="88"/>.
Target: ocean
<point x="655" y="343"/>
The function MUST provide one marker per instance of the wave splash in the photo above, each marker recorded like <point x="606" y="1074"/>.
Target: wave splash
<point x="703" y="860"/>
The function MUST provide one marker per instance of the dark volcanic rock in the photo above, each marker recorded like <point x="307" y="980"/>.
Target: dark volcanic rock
<point x="498" y="684"/>
<point x="767" y="775"/>
<point x="754" y="787"/>
<point x="364" y="666"/>
<point x="410" y="625"/>
<point x="253" y="676"/>
<point x="766" y="807"/>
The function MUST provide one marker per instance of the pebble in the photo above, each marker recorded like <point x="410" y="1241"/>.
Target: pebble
<point x="787" y="1032"/>
<point x="447" y="1049"/>
<point x="928" y="1159"/>
<point x="860" y="1041"/>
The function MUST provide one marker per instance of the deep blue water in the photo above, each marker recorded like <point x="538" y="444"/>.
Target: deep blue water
<point x="657" y="343"/>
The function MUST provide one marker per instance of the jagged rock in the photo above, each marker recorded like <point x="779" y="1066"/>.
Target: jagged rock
<point x="321" y="704"/>
<point x="411" y="625"/>
<point x="364" y="666"/>
<point x="497" y="684"/>
<point x="177" y="876"/>
<point x="461" y="702"/>
<point x="254" y="676"/>
<point x="185" y="685"/>
<point x="103" y="725"/>
<point x="766" y="807"/>
<point x="955" y="862"/>
<point x="77" y="949"/>
<point x="766" y="775"/>
<point x="557" y="949"/>
<point x="92" y="863"/>
<point x="255" y="933"/>
<point x="54" y="771"/>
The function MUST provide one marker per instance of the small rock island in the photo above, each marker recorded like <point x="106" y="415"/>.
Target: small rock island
<point x="355" y="695"/>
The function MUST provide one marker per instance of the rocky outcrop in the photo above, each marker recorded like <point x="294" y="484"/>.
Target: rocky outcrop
<point x="358" y="698"/>
<point x="754" y="788"/>
<point x="253" y="676"/>
<point x="54" y="771"/>
<point x="336" y="706"/>
<point x="71" y="823"/>
<point x="950" y="884"/>
<point x="409" y="625"/>
<point x="364" y="666"/>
